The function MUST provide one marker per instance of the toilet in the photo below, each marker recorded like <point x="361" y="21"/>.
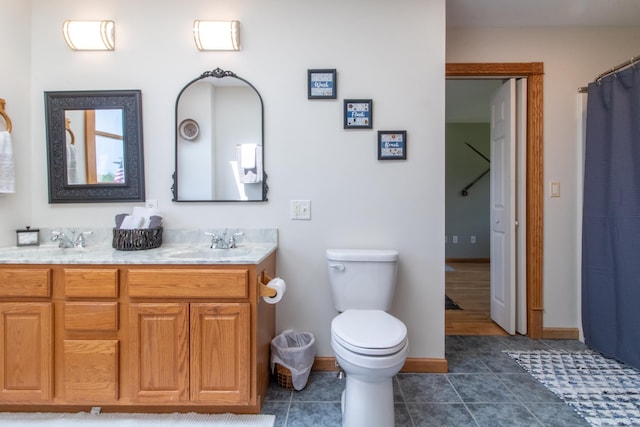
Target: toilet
<point x="370" y="345"/>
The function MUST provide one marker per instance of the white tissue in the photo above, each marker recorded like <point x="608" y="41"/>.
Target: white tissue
<point x="131" y="222"/>
<point x="280" y="286"/>
<point x="146" y="214"/>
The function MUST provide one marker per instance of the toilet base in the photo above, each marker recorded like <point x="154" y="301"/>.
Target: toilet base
<point x="368" y="404"/>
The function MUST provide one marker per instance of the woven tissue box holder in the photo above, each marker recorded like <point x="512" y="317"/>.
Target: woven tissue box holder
<point x="137" y="239"/>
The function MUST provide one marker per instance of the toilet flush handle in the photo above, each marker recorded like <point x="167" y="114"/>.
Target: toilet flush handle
<point x="339" y="267"/>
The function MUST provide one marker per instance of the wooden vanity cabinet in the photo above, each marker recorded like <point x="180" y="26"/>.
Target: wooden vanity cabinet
<point x="88" y="347"/>
<point x="194" y="350"/>
<point x="26" y="335"/>
<point x="191" y="352"/>
<point x="135" y="337"/>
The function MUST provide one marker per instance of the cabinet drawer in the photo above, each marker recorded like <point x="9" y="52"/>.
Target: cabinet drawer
<point x="91" y="282"/>
<point x="188" y="283"/>
<point x="25" y="282"/>
<point x="91" y="316"/>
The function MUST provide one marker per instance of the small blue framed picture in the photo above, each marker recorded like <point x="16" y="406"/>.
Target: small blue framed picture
<point x="358" y="113"/>
<point x="392" y="145"/>
<point x="322" y="84"/>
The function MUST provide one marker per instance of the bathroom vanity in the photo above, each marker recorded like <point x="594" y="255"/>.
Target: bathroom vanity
<point x="173" y="329"/>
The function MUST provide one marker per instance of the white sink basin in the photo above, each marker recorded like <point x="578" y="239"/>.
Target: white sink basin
<point x="210" y="253"/>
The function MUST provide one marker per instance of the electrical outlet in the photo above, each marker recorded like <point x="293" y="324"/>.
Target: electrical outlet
<point x="151" y="204"/>
<point x="455" y="240"/>
<point x="301" y="209"/>
<point x="473" y="239"/>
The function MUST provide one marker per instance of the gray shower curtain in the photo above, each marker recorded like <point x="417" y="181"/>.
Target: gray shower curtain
<point x="611" y="218"/>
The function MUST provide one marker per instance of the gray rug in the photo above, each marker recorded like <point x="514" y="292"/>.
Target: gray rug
<point x="603" y="391"/>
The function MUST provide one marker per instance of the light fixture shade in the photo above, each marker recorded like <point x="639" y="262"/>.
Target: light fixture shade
<point x="217" y="35"/>
<point x="89" y="35"/>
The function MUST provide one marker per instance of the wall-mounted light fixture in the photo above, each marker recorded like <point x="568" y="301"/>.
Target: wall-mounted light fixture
<point x="217" y="35"/>
<point x="89" y="35"/>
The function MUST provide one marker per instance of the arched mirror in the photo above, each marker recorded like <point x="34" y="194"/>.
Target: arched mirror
<point x="219" y="140"/>
<point x="95" y="149"/>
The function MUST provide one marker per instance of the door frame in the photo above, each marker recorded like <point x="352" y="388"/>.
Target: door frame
<point x="534" y="72"/>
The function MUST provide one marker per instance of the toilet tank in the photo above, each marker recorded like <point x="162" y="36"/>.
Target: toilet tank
<point x="362" y="279"/>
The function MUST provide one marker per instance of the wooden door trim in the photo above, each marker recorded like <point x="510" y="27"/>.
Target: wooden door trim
<point x="534" y="72"/>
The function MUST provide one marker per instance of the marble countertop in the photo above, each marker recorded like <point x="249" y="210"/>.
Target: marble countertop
<point x="176" y="251"/>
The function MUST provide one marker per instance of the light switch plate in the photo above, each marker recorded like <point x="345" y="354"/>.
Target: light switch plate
<point x="555" y="188"/>
<point x="301" y="209"/>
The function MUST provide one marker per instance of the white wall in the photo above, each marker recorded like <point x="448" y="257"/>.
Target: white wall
<point x="391" y="52"/>
<point x="572" y="58"/>
<point x="14" y="88"/>
<point x="468" y="215"/>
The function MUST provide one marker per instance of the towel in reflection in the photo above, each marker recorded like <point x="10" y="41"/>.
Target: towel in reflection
<point x="73" y="177"/>
<point x="249" y="163"/>
<point x="7" y="166"/>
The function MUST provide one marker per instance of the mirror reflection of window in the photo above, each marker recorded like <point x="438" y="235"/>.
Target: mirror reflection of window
<point x="98" y="139"/>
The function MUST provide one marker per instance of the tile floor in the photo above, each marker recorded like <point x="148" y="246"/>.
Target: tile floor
<point x="484" y="387"/>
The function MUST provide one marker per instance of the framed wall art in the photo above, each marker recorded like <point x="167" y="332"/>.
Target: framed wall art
<point x="321" y="84"/>
<point x="358" y="113"/>
<point x="392" y="145"/>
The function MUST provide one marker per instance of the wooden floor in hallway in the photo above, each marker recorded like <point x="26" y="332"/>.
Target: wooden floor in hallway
<point x="469" y="286"/>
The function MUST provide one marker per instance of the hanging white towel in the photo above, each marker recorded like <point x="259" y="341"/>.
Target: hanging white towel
<point x="72" y="165"/>
<point x="247" y="156"/>
<point x="7" y="166"/>
<point x="249" y="162"/>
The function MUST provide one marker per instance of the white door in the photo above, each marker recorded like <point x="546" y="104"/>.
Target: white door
<point x="503" y="187"/>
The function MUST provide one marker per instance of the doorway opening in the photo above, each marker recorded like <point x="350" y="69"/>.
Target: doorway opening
<point x="533" y="72"/>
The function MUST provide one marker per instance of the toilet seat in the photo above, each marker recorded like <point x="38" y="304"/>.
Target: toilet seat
<point x="369" y="332"/>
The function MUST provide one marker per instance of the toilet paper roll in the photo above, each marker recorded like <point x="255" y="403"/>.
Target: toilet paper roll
<point x="280" y="286"/>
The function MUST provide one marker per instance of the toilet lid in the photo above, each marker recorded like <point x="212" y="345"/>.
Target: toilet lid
<point x="369" y="331"/>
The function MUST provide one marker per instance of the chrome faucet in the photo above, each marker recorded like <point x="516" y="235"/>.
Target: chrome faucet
<point x="79" y="241"/>
<point x="221" y="242"/>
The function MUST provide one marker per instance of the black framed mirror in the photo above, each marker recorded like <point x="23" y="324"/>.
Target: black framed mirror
<point x="219" y="133"/>
<point x="94" y="144"/>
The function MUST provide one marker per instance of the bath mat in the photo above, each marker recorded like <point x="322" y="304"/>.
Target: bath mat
<point x="449" y="304"/>
<point x="42" y="419"/>
<point x="448" y="268"/>
<point x="603" y="391"/>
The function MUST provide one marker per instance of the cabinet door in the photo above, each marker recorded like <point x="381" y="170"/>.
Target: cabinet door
<point x="220" y="358"/>
<point x="90" y="370"/>
<point x="26" y="352"/>
<point x="159" y="345"/>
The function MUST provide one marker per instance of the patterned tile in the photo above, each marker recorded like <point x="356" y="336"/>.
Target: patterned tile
<point x="502" y="415"/>
<point x="484" y="387"/>
<point x="427" y="388"/>
<point x="316" y="414"/>
<point x="500" y="363"/>
<point x="481" y="388"/>
<point x="527" y="389"/>
<point x="556" y="414"/>
<point x="464" y="364"/>
<point x="441" y="415"/>
<point x="321" y="387"/>
<point x="279" y="409"/>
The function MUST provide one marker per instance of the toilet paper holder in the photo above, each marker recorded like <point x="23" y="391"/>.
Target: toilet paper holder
<point x="266" y="291"/>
